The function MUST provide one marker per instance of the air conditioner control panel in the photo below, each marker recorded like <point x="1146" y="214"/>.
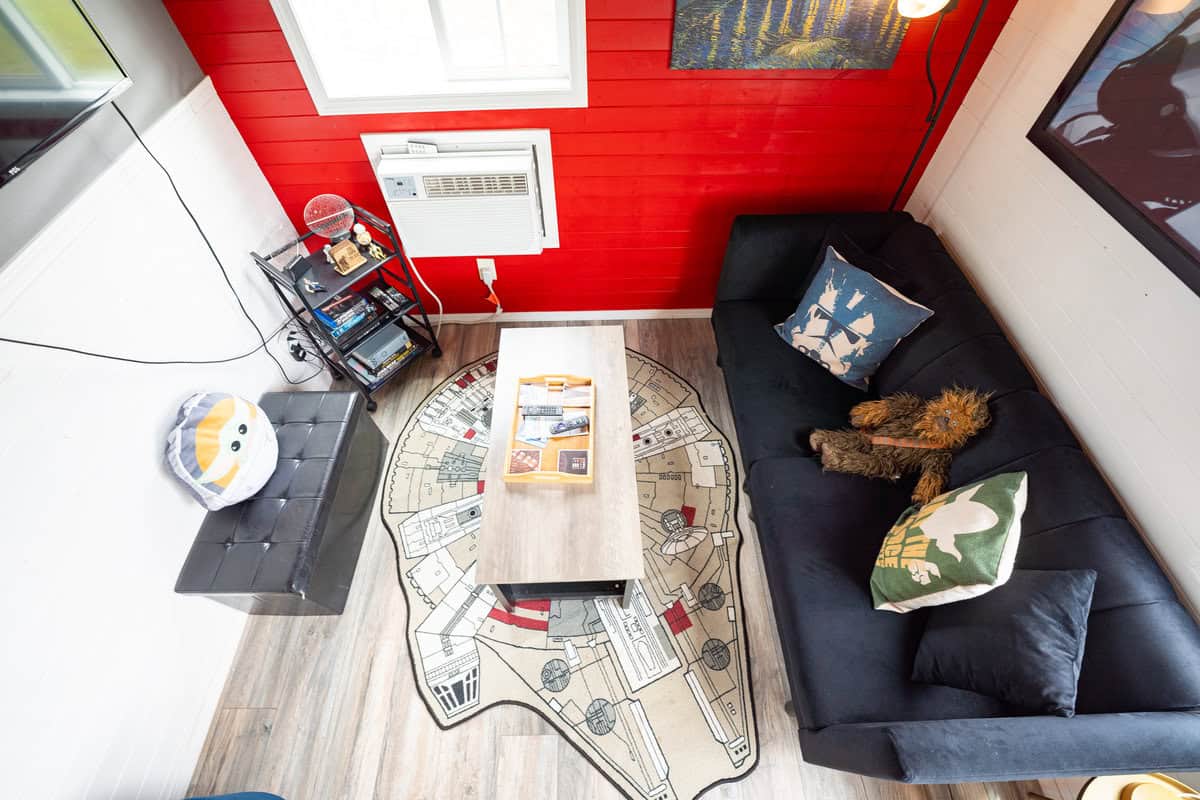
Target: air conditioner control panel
<point x="399" y="187"/>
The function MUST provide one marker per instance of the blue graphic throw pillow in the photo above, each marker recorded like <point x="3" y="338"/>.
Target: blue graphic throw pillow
<point x="848" y="321"/>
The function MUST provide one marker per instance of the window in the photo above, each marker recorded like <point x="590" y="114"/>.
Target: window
<point x="378" y="56"/>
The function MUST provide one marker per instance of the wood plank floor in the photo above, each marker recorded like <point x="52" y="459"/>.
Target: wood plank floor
<point x="317" y="708"/>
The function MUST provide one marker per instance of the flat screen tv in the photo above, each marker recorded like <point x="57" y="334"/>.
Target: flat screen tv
<point x="55" y="72"/>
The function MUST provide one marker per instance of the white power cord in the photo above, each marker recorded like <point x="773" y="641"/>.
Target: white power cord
<point x="437" y="333"/>
<point x="492" y="294"/>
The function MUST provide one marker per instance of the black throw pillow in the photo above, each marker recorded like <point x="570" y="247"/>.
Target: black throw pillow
<point x="849" y="249"/>
<point x="1021" y="642"/>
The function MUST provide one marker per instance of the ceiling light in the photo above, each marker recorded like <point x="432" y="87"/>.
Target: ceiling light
<point x="923" y="8"/>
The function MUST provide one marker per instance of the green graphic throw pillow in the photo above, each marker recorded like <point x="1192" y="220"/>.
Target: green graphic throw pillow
<point x="959" y="545"/>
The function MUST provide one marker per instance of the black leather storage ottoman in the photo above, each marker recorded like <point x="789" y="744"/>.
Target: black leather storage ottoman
<point x="292" y="548"/>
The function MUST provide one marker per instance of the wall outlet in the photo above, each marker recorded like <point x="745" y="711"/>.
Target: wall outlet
<point x="487" y="269"/>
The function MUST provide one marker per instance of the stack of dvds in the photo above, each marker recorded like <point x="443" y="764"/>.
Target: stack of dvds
<point x="345" y="312"/>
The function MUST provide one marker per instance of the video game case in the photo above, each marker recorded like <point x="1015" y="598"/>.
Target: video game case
<point x="369" y="376"/>
<point x="344" y="328"/>
<point x="361" y="307"/>
<point x="380" y="345"/>
<point x="339" y="303"/>
<point x="391" y="298"/>
<point x="399" y="355"/>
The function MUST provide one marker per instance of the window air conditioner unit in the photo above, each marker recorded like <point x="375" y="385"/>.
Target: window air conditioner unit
<point x="474" y="203"/>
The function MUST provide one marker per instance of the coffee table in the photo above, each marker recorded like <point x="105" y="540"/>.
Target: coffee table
<point x="539" y="541"/>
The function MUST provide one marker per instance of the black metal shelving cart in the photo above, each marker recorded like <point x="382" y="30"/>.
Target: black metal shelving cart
<point x="406" y="310"/>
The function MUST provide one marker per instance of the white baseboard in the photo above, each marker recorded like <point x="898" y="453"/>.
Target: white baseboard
<point x="574" y="316"/>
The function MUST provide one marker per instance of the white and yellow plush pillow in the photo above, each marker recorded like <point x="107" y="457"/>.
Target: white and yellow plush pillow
<point x="222" y="448"/>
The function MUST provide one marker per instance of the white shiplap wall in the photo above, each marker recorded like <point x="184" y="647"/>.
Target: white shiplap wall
<point x="1113" y="335"/>
<point x="108" y="680"/>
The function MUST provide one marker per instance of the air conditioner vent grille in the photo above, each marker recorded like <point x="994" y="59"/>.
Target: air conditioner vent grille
<point x="475" y="185"/>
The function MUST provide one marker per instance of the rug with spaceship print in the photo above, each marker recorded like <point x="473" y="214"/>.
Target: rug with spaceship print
<point x="657" y="695"/>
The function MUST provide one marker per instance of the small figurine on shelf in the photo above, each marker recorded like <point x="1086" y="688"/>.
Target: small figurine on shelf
<point x="312" y="287"/>
<point x="375" y="251"/>
<point x="328" y="254"/>
<point x="362" y="235"/>
<point x="346" y="257"/>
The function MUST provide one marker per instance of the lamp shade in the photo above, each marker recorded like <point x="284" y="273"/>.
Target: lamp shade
<point x="1159" y="6"/>
<point x="920" y="8"/>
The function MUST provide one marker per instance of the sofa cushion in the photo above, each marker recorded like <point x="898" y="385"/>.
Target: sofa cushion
<point x="958" y="316"/>
<point x="1137" y="628"/>
<point x="746" y="339"/>
<point x="1023" y="422"/>
<point x="1022" y="643"/>
<point x="986" y="363"/>
<point x="1126" y="572"/>
<point x="819" y="534"/>
<point x="959" y="545"/>
<point x="777" y="394"/>
<point x="771" y="255"/>
<point x="1064" y="488"/>
<point x="849" y="321"/>
<point x="915" y="250"/>
<point x="1140" y="658"/>
<point x="841" y="241"/>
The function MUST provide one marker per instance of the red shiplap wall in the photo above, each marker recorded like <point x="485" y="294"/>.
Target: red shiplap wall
<point x="648" y="177"/>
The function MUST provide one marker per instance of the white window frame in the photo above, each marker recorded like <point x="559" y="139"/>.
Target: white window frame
<point x="575" y="96"/>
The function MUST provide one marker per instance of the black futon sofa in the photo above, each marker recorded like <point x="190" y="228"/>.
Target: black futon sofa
<point x="848" y="665"/>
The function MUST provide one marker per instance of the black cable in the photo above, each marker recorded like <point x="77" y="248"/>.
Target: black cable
<point x="130" y="360"/>
<point x="263" y="340"/>
<point x="940" y="105"/>
<point x="211" y="249"/>
<point x="929" y="68"/>
<point x="307" y="335"/>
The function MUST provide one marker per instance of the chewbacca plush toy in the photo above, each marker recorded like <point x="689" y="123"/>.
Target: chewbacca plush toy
<point x="902" y="433"/>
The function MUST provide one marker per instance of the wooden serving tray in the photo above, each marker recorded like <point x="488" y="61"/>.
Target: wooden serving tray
<point x="560" y="459"/>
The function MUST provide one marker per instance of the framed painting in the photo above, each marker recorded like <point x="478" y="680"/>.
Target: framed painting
<point x="786" y="34"/>
<point x="1125" y="125"/>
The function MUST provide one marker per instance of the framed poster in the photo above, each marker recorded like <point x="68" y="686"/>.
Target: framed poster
<point x="796" y="34"/>
<point x="1125" y="125"/>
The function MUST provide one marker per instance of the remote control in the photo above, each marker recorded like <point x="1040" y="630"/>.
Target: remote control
<point x="575" y="423"/>
<point x="542" y="411"/>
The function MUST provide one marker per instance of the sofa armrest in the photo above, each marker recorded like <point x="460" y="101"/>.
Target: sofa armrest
<point x="1010" y="748"/>
<point x="768" y="254"/>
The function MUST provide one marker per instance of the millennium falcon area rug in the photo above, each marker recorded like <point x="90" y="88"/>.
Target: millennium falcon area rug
<point x="657" y="697"/>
